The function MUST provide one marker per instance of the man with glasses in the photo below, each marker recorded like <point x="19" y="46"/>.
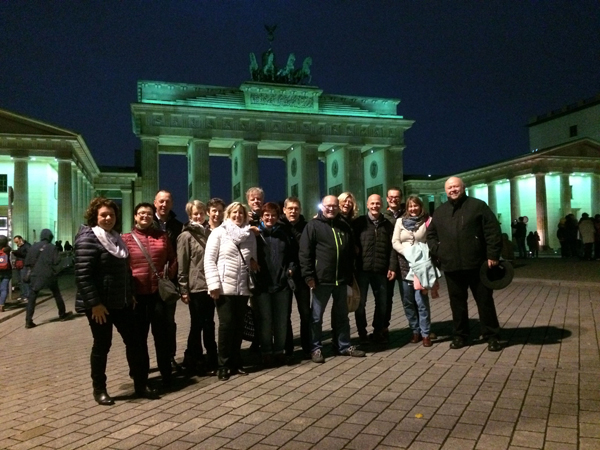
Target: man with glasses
<point x="164" y="220"/>
<point x="328" y="240"/>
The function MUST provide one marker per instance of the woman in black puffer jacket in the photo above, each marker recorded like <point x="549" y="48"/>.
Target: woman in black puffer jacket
<point x="105" y="292"/>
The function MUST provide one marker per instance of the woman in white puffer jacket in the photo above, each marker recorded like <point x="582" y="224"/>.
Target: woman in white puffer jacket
<point x="229" y="249"/>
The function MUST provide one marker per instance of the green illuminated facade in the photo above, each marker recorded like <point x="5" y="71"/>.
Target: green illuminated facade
<point x="53" y="177"/>
<point x="360" y="140"/>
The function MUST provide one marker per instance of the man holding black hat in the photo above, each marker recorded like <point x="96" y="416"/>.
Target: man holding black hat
<point x="463" y="234"/>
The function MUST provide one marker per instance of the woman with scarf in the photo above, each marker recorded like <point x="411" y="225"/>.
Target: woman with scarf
<point x="191" y="244"/>
<point x="230" y="255"/>
<point x="276" y="252"/>
<point x="410" y="236"/>
<point x="104" y="291"/>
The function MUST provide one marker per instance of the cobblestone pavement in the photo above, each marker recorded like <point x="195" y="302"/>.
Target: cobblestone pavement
<point x="541" y="391"/>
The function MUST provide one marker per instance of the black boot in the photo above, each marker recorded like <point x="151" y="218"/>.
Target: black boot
<point x="102" y="398"/>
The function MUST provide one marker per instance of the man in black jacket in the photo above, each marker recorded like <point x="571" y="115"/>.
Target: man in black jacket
<point x="164" y="220"/>
<point x="327" y="239"/>
<point x="294" y="224"/>
<point x="42" y="261"/>
<point x="463" y="234"/>
<point x="376" y="264"/>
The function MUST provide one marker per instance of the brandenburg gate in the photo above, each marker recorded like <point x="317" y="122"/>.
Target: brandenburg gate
<point x="360" y="139"/>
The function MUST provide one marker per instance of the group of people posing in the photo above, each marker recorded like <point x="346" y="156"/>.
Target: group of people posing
<point x="268" y="255"/>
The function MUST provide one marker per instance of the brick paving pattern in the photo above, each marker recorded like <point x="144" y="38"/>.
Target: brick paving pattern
<point x="541" y="392"/>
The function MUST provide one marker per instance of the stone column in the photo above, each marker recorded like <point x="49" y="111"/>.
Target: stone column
<point x="20" y="214"/>
<point x="126" y="209"/>
<point x="310" y="193"/>
<point x="355" y="175"/>
<point x="394" y="169"/>
<point x="514" y="199"/>
<point x="595" y="185"/>
<point x="75" y="220"/>
<point x="245" y="169"/>
<point x="198" y="170"/>
<point x="565" y="194"/>
<point x="492" y="200"/>
<point x="64" y="219"/>
<point x="149" y="168"/>
<point x="541" y="209"/>
<point x="82" y="205"/>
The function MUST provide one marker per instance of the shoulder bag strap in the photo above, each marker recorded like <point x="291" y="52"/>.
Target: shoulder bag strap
<point x="202" y="244"/>
<point x="145" y="252"/>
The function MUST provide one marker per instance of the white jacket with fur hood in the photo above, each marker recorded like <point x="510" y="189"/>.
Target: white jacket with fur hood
<point x="223" y="266"/>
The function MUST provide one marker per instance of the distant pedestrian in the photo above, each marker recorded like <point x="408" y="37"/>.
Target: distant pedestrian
<point x="20" y="254"/>
<point x="520" y="234"/>
<point x="5" y="270"/>
<point x="586" y="232"/>
<point x="42" y="262"/>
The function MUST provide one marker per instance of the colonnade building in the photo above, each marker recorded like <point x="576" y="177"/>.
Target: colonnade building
<point x="48" y="177"/>
<point x="560" y="175"/>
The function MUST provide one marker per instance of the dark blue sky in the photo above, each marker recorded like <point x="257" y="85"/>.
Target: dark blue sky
<point x="469" y="73"/>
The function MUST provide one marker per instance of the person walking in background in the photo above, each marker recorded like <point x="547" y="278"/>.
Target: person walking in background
<point x="20" y="255"/>
<point x="230" y="255"/>
<point x="520" y="233"/>
<point x="165" y="220"/>
<point x="571" y="232"/>
<point x="276" y="258"/>
<point x="104" y="291"/>
<point x="150" y="310"/>
<point x="586" y="232"/>
<point x="328" y="239"/>
<point x="463" y="234"/>
<point x="5" y="270"/>
<point x="191" y="245"/>
<point x="376" y="264"/>
<point x="597" y="236"/>
<point x="41" y="264"/>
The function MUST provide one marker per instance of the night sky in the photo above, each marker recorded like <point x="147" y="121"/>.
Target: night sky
<point x="470" y="73"/>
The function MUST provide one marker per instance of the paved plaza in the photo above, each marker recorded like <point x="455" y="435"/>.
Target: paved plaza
<point x="542" y="391"/>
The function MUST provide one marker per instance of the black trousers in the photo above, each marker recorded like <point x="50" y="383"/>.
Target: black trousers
<point x="231" y="310"/>
<point x="123" y="320"/>
<point x="152" y="312"/>
<point x="459" y="283"/>
<point x="302" y="294"/>
<point x="202" y="329"/>
<point x="390" y="297"/>
<point x="171" y="327"/>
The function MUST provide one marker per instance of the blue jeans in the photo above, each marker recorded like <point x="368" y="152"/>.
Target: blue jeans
<point x="273" y="312"/>
<point x="378" y="283"/>
<point x="339" y="315"/>
<point x="24" y="287"/>
<point x="416" y="308"/>
<point x="4" y="290"/>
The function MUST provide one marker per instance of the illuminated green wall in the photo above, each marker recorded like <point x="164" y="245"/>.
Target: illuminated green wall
<point x="581" y="201"/>
<point x="503" y="206"/>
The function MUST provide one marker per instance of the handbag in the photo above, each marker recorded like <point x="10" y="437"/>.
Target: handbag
<point x="167" y="290"/>
<point x="248" y="334"/>
<point x="19" y="264"/>
<point x="252" y="277"/>
<point x="353" y="297"/>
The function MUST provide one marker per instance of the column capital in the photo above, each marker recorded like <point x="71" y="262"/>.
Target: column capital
<point x="149" y="138"/>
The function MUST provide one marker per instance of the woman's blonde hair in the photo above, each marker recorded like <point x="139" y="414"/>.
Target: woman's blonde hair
<point x="343" y="197"/>
<point x="190" y="205"/>
<point x="234" y="207"/>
